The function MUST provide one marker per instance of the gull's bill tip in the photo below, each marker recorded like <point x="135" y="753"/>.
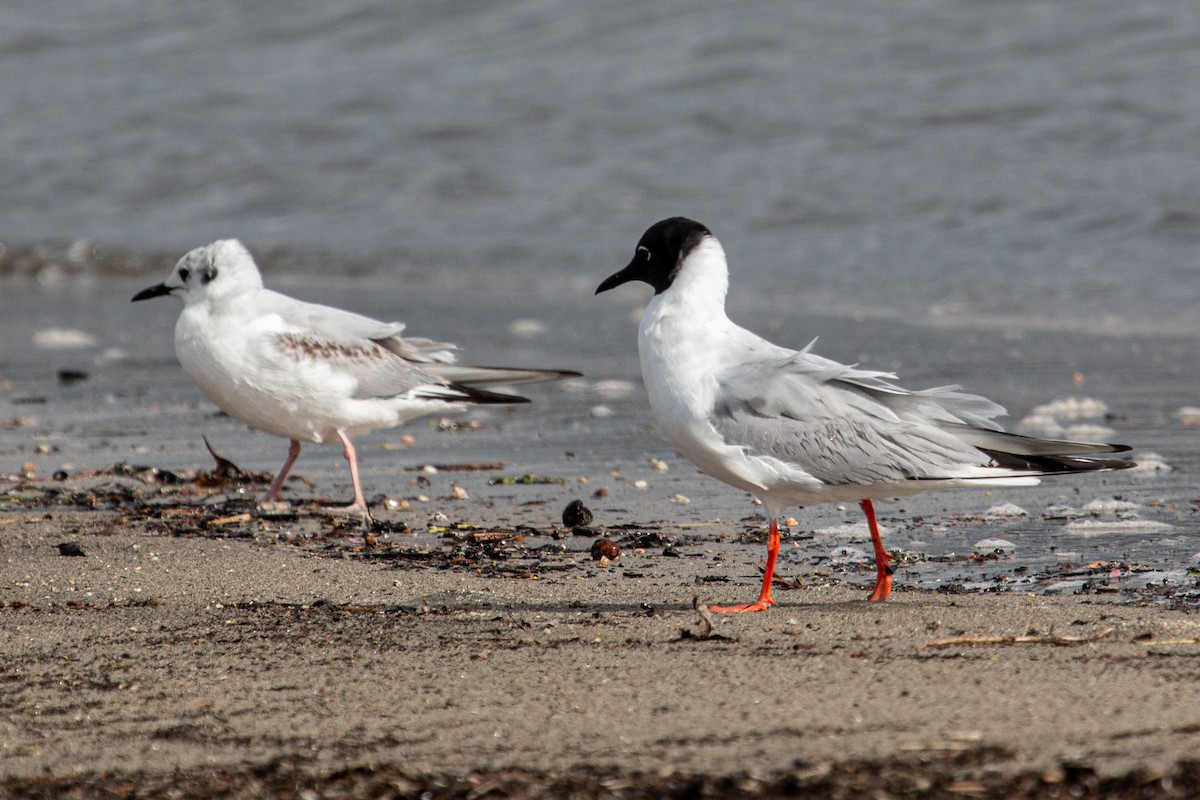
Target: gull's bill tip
<point x="616" y="279"/>
<point x="158" y="290"/>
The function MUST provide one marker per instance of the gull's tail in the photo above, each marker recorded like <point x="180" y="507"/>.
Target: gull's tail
<point x="1041" y="456"/>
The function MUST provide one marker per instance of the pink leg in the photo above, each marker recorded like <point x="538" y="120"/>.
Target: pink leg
<point x="883" y="561"/>
<point x="359" y="503"/>
<point x="764" y="600"/>
<point x="293" y="453"/>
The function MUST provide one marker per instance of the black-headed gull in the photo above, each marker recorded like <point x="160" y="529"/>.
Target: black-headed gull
<point x="796" y="429"/>
<point x="308" y="372"/>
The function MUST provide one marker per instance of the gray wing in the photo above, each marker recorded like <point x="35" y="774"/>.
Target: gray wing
<point x="376" y="371"/>
<point x="845" y="425"/>
<point x="345" y="327"/>
<point x="410" y="361"/>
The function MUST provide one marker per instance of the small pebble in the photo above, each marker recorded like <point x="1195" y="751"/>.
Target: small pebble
<point x="640" y="484"/>
<point x="605" y="549"/>
<point x="459" y="493"/>
<point x="681" y="500"/>
<point x="600" y="493"/>
<point x="659" y="465"/>
<point x="576" y="515"/>
<point x="70" y="549"/>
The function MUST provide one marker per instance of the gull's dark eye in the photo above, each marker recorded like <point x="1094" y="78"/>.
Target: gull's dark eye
<point x="183" y="274"/>
<point x="644" y="253"/>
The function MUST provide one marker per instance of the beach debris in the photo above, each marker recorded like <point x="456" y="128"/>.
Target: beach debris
<point x="231" y="520"/>
<point x="994" y="546"/>
<point x="613" y="388"/>
<point x="225" y="467"/>
<point x="63" y="339"/>
<point x="640" y="485"/>
<point x="1070" y="417"/>
<point x="526" y="480"/>
<point x="483" y="466"/>
<point x="1105" y="527"/>
<point x="605" y="550"/>
<point x="576" y="514"/>
<point x="447" y="424"/>
<point x="1110" y="507"/>
<point x="1150" y="462"/>
<point x="705" y="619"/>
<point x="658" y="465"/>
<point x="1031" y="637"/>
<point x="459" y="493"/>
<point x="600" y="493"/>
<point x="681" y="500"/>
<point x="526" y="328"/>
<point x="1005" y="511"/>
<point x="69" y="377"/>
<point x="70" y="549"/>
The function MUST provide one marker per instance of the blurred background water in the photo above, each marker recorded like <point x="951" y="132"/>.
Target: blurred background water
<point x="1034" y="161"/>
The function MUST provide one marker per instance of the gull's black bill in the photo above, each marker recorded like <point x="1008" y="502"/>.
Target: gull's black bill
<point x="633" y="272"/>
<point x="151" y="291"/>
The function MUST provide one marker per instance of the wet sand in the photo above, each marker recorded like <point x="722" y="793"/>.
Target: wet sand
<point x="204" y="646"/>
<point x="200" y="642"/>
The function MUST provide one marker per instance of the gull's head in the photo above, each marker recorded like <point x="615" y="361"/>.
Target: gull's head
<point x="672" y="252"/>
<point x="221" y="269"/>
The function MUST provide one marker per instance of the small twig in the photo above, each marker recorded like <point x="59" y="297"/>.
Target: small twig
<point x="488" y="466"/>
<point x="706" y="620"/>
<point x="706" y="624"/>
<point x="1060" y="641"/>
<point x="225" y="467"/>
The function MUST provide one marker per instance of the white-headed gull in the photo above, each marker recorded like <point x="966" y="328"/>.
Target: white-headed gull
<point x="308" y="372"/>
<point x="796" y="429"/>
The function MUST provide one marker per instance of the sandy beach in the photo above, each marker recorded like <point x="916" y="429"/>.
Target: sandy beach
<point x="466" y="643"/>
<point x="996" y="195"/>
<point x="203" y="648"/>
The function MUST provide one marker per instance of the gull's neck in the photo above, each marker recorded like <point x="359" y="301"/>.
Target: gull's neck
<point x="698" y="291"/>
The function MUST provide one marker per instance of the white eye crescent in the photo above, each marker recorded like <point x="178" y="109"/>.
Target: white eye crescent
<point x="644" y="252"/>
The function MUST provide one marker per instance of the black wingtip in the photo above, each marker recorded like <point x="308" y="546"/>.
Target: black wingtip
<point x="485" y="397"/>
<point x="1049" y="464"/>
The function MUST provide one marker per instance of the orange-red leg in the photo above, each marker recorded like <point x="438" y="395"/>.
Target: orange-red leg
<point x="883" y="561"/>
<point x="764" y="600"/>
<point x="293" y="453"/>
